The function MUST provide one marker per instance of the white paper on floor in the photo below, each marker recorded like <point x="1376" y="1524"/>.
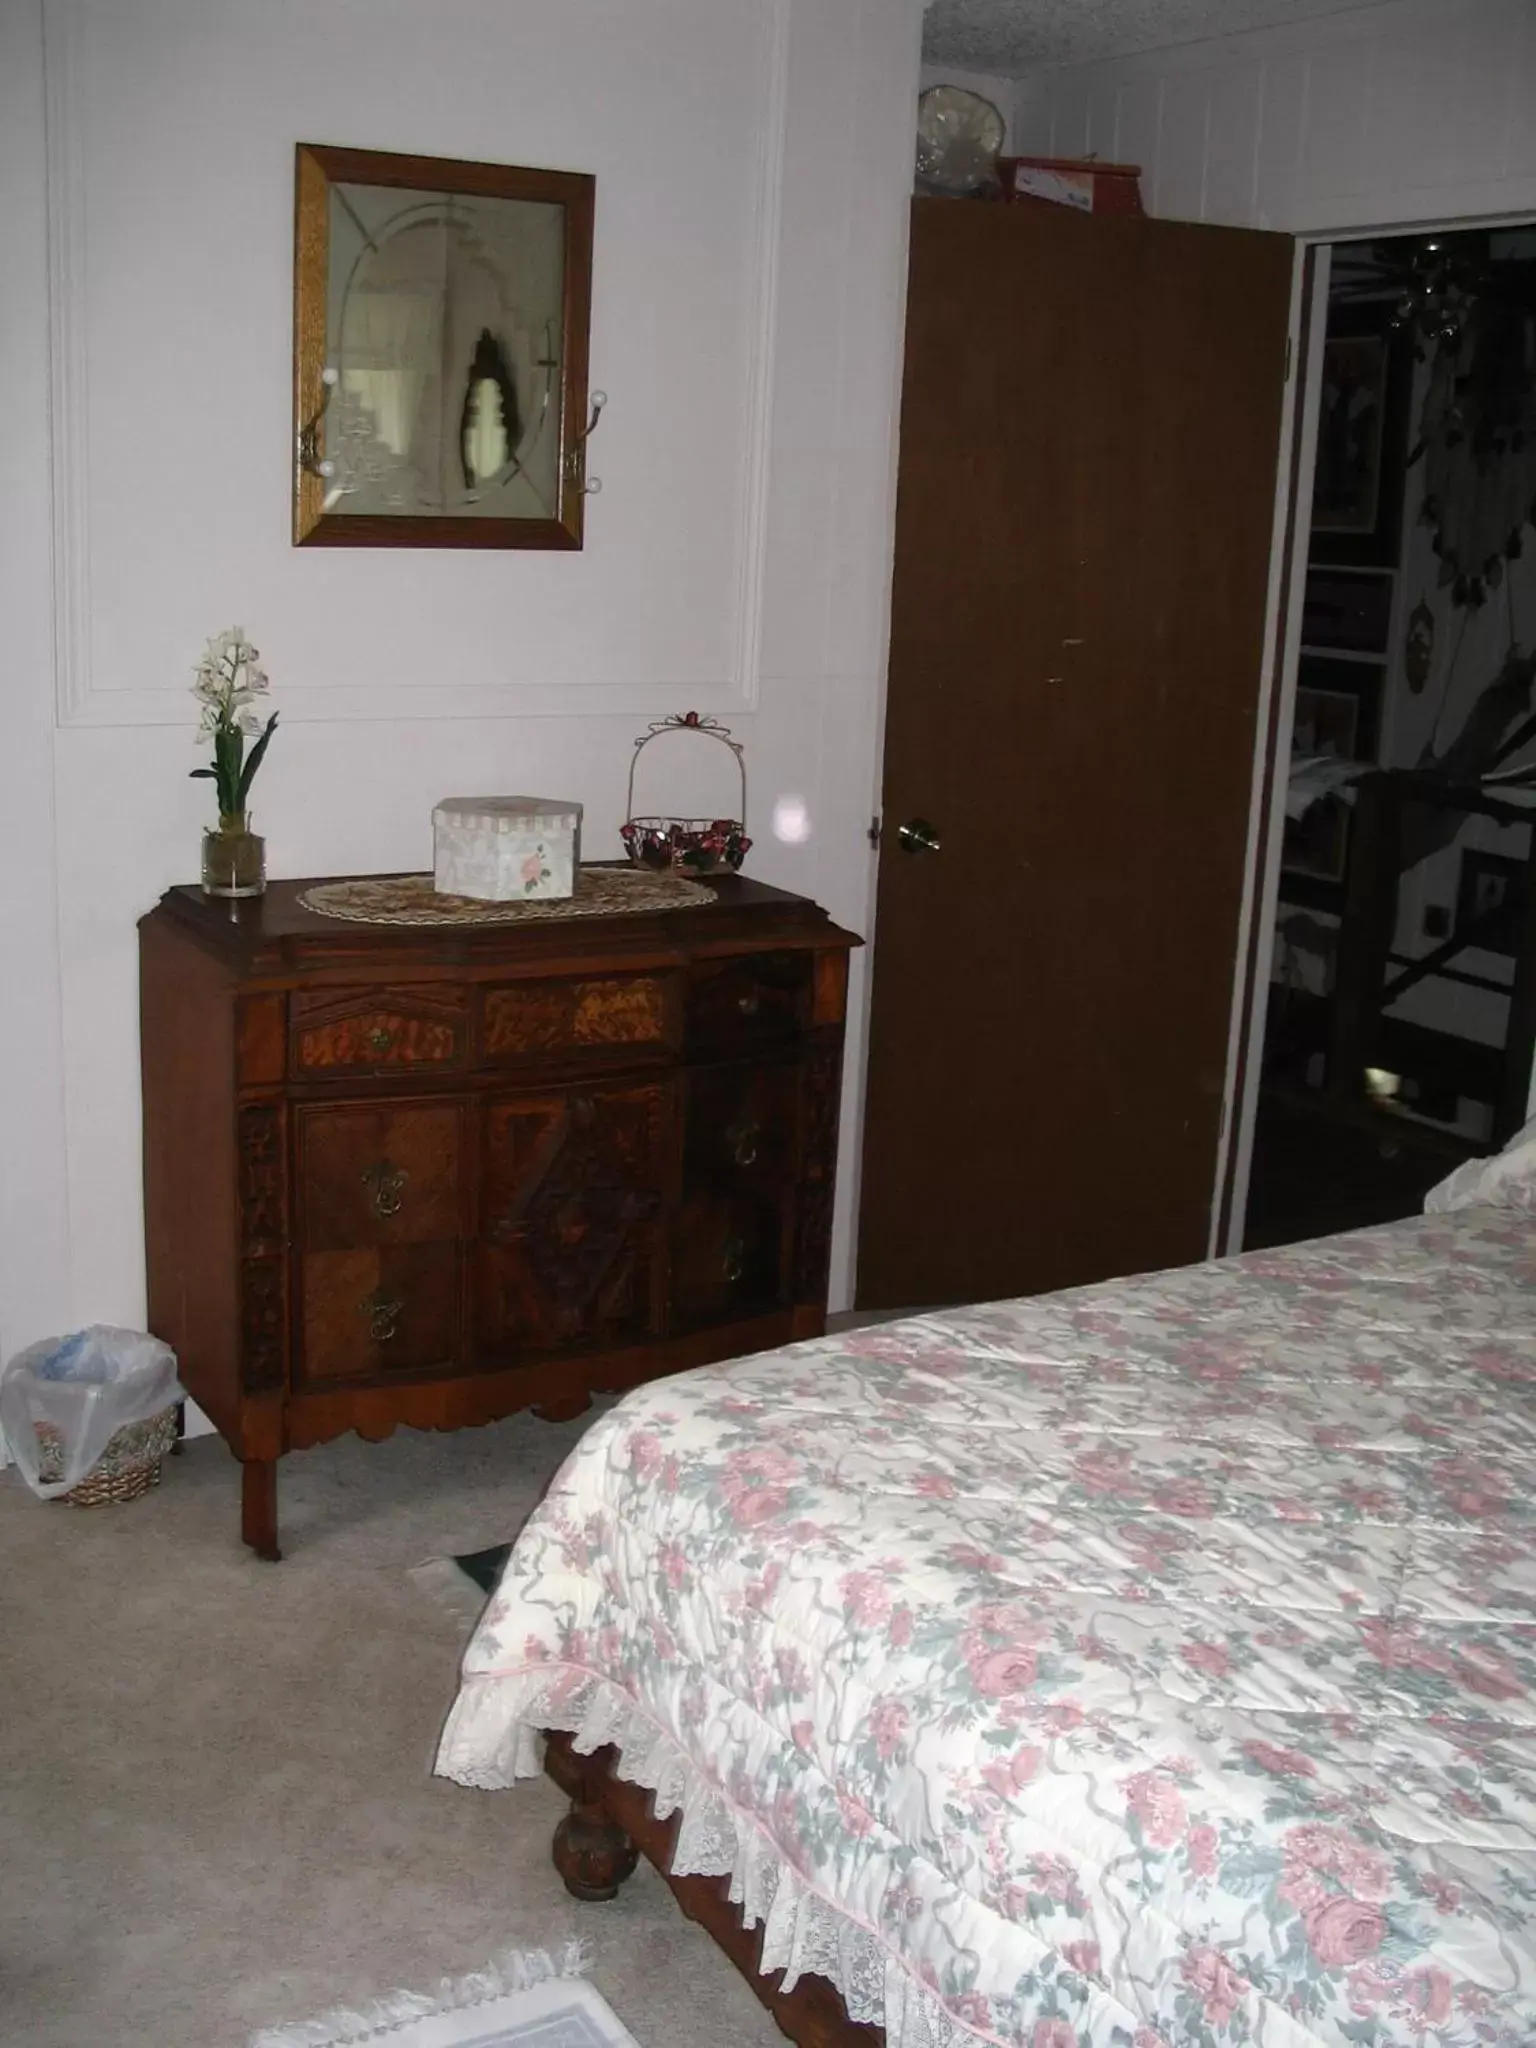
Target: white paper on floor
<point x="525" y="2000"/>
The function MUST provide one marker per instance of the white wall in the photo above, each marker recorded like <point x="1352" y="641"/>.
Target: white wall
<point x="753" y="159"/>
<point x="1420" y="110"/>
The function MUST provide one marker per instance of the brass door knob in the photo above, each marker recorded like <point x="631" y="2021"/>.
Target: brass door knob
<point x="918" y="836"/>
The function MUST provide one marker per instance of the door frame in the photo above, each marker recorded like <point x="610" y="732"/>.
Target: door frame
<point x="1277" y="702"/>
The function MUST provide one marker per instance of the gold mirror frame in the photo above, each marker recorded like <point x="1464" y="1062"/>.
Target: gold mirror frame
<point x="317" y="169"/>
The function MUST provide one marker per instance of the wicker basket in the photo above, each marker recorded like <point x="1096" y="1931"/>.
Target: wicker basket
<point x="127" y="1468"/>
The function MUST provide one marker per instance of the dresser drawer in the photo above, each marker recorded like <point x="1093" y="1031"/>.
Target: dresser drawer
<point x="384" y="1030"/>
<point x="572" y="1218"/>
<point x="749" y="999"/>
<point x="395" y="1311"/>
<point x="525" y="1019"/>
<point x="740" y="1124"/>
<point x="733" y="1243"/>
<point x="731" y="1256"/>
<point x="380" y="1173"/>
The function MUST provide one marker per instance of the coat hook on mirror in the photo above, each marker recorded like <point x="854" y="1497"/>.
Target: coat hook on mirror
<point x="310" y="457"/>
<point x="576" y="460"/>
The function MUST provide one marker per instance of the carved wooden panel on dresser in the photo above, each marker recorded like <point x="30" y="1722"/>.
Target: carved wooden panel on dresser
<point x="429" y="1176"/>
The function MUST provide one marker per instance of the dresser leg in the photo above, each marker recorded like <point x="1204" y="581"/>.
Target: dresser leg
<point x="258" y="1507"/>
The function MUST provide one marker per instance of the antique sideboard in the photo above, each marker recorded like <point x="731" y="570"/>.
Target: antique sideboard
<point x="429" y="1176"/>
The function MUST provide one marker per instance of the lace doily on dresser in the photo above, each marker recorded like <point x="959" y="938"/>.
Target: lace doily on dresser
<point x="412" y="899"/>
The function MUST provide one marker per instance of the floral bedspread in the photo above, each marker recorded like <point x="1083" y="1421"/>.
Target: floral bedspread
<point x="1149" y="1665"/>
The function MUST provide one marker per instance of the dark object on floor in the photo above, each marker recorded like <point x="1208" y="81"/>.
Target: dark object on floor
<point x="483" y="1567"/>
<point x="428" y="1176"/>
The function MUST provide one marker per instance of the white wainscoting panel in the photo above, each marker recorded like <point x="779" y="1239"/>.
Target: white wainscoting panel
<point x="170" y="141"/>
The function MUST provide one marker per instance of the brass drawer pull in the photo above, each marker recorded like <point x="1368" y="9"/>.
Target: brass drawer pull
<point x="746" y="1139"/>
<point x="380" y="1039"/>
<point x="734" y="1263"/>
<point x="386" y="1184"/>
<point x="383" y="1312"/>
<point x="750" y="1003"/>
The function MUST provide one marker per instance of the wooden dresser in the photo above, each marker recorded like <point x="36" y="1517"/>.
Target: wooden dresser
<point x="433" y="1175"/>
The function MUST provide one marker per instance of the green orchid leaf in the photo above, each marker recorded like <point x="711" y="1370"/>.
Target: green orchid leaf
<point x="248" y="776"/>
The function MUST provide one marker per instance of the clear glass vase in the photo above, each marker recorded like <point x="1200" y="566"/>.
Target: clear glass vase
<point x="234" y="858"/>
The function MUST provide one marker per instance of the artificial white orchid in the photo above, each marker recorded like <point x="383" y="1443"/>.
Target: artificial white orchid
<point x="227" y="682"/>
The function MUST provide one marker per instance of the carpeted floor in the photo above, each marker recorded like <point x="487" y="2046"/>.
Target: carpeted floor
<point x="216" y="1809"/>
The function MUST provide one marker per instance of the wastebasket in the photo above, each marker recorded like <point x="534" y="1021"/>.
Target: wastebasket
<point x="88" y="1418"/>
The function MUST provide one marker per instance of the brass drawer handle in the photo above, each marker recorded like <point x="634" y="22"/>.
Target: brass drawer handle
<point x="386" y="1184"/>
<point x="745" y="1139"/>
<point x="750" y="1003"/>
<point x="734" y="1263"/>
<point x="380" y="1039"/>
<point x="383" y="1312"/>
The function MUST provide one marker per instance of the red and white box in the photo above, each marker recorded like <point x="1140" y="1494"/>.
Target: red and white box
<point x="1079" y="182"/>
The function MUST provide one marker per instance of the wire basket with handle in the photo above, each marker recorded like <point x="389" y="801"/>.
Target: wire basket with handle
<point x="695" y="846"/>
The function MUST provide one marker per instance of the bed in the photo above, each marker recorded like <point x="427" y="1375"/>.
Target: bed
<point x="1148" y="1666"/>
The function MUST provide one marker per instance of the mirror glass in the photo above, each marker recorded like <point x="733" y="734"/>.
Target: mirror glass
<point x="441" y="314"/>
<point x="443" y="331"/>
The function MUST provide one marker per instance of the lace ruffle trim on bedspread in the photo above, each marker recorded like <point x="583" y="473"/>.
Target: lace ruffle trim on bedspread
<point x="492" y="1739"/>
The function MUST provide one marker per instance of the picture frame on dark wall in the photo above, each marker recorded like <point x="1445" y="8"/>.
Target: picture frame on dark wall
<point x="1362" y="439"/>
<point x="1338" y="709"/>
<point x="1315" y="857"/>
<point x="1346" y="608"/>
<point x="1490" y="898"/>
<point x="1327" y="722"/>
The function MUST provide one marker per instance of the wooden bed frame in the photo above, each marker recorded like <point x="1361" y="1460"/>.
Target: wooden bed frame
<point x="612" y="1823"/>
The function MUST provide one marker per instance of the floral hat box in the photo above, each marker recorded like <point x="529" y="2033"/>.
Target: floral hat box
<point x="501" y="849"/>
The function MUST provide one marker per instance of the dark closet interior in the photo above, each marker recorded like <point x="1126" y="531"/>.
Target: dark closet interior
<point x="1402" y="1002"/>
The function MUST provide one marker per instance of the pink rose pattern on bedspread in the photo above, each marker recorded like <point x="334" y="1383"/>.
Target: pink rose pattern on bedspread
<point x="1149" y="1665"/>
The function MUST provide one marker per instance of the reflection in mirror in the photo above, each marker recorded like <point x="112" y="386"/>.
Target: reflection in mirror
<point x="440" y="351"/>
<point x="443" y="328"/>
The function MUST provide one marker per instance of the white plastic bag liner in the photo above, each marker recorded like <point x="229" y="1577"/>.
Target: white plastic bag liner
<point x="89" y="1386"/>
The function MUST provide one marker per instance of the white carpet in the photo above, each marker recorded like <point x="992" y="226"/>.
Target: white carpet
<point x="217" y="1811"/>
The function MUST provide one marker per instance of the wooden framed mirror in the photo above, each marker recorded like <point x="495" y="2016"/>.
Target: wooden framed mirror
<point x="441" y="317"/>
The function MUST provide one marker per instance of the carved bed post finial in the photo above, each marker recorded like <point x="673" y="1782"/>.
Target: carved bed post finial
<point x="591" y="1852"/>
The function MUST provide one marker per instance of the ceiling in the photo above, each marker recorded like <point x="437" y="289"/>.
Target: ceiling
<point x="1011" y="37"/>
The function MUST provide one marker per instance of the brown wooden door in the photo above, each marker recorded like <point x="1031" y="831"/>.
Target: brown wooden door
<point x="1089" y="438"/>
